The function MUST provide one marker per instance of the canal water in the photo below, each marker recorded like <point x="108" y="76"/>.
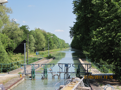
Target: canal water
<point x="66" y="56"/>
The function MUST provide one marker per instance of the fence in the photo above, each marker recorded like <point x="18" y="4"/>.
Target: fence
<point x="14" y="65"/>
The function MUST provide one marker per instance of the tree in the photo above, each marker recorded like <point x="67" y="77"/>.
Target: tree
<point x="46" y="39"/>
<point x="3" y="14"/>
<point x="81" y="29"/>
<point x="97" y="28"/>
<point x="31" y="43"/>
<point x="13" y="31"/>
<point x="25" y="29"/>
<point x="3" y="54"/>
<point x="1" y="23"/>
<point x="6" y="42"/>
<point x="107" y="35"/>
<point x="39" y="39"/>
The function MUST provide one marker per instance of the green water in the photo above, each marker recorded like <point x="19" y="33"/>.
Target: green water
<point x="67" y="56"/>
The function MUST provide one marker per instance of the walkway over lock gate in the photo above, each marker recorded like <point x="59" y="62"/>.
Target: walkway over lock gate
<point x="80" y="70"/>
<point x="64" y="68"/>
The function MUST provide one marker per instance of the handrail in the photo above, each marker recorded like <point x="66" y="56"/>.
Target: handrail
<point x="13" y="65"/>
<point x="108" y="85"/>
<point x="61" y="81"/>
<point x="78" y="84"/>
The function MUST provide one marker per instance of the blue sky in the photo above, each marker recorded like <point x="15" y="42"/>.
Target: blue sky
<point x="53" y="16"/>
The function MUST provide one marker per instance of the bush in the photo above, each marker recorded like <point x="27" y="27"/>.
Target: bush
<point x="50" y="56"/>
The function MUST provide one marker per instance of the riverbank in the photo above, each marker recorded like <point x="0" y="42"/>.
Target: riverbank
<point x="100" y="84"/>
<point x="42" y="54"/>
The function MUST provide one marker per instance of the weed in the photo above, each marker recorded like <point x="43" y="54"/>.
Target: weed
<point x="19" y="73"/>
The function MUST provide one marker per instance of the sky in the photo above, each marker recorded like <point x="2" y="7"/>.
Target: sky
<point x="54" y="16"/>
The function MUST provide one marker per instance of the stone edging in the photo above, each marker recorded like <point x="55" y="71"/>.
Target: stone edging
<point x="15" y="84"/>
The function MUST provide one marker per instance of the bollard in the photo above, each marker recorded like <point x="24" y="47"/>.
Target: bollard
<point x="20" y="75"/>
<point x="33" y="73"/>
<point x="45" y="72"/>
<point x="78" y="71"/>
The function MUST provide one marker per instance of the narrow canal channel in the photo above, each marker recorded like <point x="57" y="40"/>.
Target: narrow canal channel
<point x="66" y="56"/>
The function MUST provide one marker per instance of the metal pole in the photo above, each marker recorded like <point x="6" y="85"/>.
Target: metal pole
<point x="27" y="46"/>
<point x="48" y="46"/>
<point x="58" y="43"/>
<point x="24" y="53"/>
<point x="14" y="44"/>
<point x="25" y="58"/>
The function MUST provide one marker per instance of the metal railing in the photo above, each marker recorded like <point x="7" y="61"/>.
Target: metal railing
<point x="61" y="82"/>
<point x="14" y="65"/>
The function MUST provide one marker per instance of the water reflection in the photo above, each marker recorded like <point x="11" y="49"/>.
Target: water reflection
<point x="76" y="55"/>
<point x="58" y="56"/>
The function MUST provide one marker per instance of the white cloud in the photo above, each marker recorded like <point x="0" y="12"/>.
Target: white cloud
<point x="30" y="5"/>
<point x="59" y="30"/>
<point x="24" y="22"/>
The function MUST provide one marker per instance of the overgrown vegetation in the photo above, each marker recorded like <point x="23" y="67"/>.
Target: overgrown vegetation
<point x="97" y="31"/>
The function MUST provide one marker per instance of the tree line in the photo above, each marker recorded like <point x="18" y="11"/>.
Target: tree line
<point x="11" y="35"/>
<point x="97" y="30"/>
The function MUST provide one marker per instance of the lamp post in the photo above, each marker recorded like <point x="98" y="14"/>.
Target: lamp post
<point x="48" y="45"/>
<point x="27" y="46"/>
<point x="25" y="58"/>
